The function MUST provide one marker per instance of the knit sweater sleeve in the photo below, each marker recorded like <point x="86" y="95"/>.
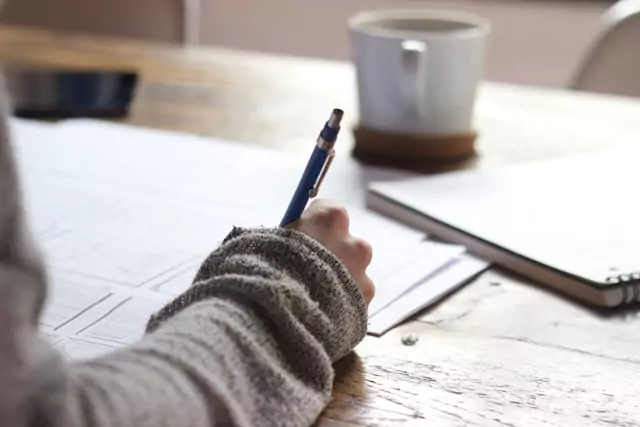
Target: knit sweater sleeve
<point x="250" y="343"/>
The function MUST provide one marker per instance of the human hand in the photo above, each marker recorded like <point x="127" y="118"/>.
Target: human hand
<point x="328" y="223"/>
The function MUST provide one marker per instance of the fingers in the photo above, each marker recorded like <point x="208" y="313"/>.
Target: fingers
<point x="328" y="223"/>
<point x="328" y="217"/>
<point x="365" y="285"/>
<point x="367" y="288"/>
<point x="356" y="255"/>
<point x="331" y="220"/>
<point x="358" y="252"/>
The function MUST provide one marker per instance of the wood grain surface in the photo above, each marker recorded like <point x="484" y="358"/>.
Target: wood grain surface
<point x="501" y="352"/>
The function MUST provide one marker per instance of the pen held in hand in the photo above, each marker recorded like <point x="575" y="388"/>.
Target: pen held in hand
<point x="316" y="169"/>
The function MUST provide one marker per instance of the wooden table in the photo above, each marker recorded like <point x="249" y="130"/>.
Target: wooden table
<point x="501" y="352"/>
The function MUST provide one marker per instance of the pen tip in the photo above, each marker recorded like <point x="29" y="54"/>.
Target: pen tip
<point x="335" y="118"/>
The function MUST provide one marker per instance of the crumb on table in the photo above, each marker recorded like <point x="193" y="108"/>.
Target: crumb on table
<point x="409" y="340"/>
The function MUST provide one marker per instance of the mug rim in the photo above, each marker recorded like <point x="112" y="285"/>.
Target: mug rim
<point x="478" y="26"/>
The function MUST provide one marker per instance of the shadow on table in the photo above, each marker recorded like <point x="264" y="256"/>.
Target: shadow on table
<point x="348" y="393"/>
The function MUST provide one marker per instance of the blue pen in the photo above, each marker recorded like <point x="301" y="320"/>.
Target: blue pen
<point x="316" y="169"/>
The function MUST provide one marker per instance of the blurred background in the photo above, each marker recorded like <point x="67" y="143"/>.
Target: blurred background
<point x="534" y="42"/>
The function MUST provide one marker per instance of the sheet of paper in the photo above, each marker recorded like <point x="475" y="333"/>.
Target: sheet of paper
<point x="86" y="317"/>
<point x="124" y="324"/>
<point x="69" y="299"/>
<point x="126" y="215"/>
<point x="77" y="349"/>
<point x="403" y="267"/>
<point x="273" y="174"/>
<point x="112" y="324"/>
<point x="179" y="281"/>
<point x="427" y="293"/>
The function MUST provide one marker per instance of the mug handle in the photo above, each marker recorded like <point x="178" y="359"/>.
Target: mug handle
<point x="414" y="53"/>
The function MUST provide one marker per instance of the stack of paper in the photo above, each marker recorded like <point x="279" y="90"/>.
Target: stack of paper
<point x="125" y="216"/>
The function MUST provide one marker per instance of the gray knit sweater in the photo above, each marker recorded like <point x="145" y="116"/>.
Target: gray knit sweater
<point x="251" y="343"/>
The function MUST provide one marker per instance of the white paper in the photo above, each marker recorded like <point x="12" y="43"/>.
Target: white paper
<point x="68" y="299"/>
<point x="426" y="293"/>
<point x="125" y="216"/>
<point x="178" y="282"/>
<point x="77" y="349"/>
<point x="405" y="267"/>
<point x="124" y="324"/>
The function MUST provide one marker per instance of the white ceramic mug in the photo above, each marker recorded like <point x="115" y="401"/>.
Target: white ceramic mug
<point x="418" y="70"/>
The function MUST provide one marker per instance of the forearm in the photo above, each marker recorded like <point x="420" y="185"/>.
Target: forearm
<point x="251" y="343"/>
<point x="230" y="371"/>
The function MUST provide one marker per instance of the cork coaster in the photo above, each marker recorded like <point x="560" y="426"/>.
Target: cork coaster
<point x="411" y="151"/>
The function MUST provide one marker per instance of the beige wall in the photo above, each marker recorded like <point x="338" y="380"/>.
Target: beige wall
<point x="536" y="42"/>
<point x="533" y="42"/>
<point x="153" y="19"/>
